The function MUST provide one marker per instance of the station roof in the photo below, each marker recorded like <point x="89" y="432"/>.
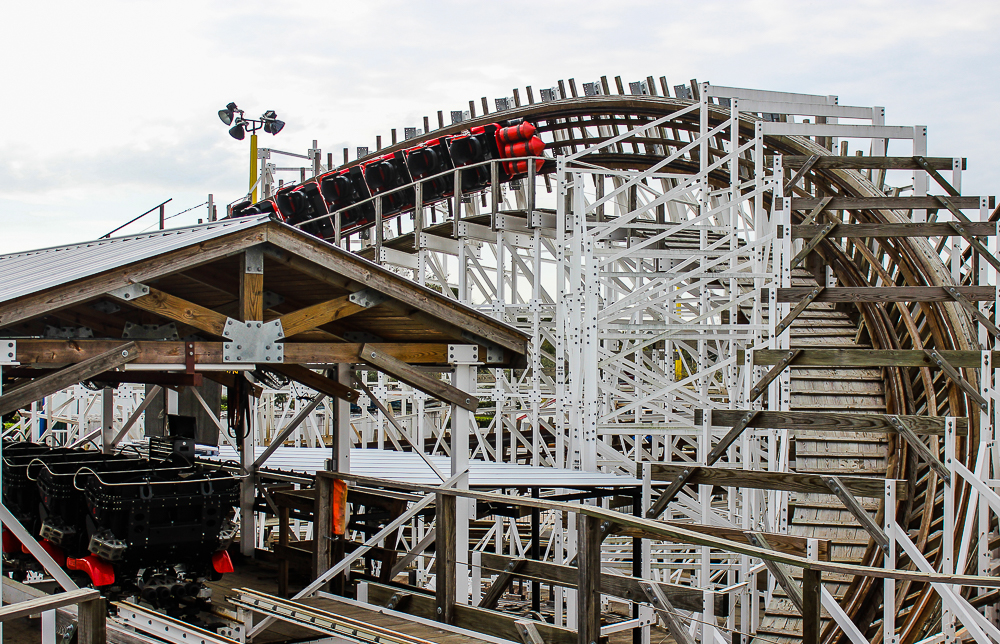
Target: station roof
<point x="63" y="292"/>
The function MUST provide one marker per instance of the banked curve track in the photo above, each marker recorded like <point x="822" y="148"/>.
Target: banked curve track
<point x="911" y="262"/>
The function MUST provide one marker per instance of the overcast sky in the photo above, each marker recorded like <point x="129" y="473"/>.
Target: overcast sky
<point x="110" y="108"/>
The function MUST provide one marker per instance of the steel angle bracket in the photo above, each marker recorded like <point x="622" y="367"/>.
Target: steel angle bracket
<point x="367" y="298"/>
<point x="8" y="352"/>
<point x="494" y="352"/>
<point x="253" y="342"/>
<point x="130" y="292"/>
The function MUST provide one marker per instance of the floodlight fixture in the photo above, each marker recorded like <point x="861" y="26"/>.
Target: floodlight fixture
<point x="226" y="114"/>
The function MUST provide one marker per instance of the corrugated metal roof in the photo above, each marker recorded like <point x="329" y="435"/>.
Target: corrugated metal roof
<point x="36" y="270"/>
<point x="407" y="467"/>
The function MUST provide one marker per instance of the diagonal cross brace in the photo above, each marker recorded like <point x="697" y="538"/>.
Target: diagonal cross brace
<point x="945" y="366"/>
<point x="803" y="169"/>
<point x="811" y="244"/>
<point x="775" y="371"/>
<point x="797" y="311"/>
<point x="911" y="438"/>
<point x="837" y="487"/>
<point x="973" y="309"/>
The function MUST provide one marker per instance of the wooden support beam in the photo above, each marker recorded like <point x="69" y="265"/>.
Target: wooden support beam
<point x="973" y="309"/>
<point x="92" y="622"/>
<point x="956" y="377"/>
<point x="784" y="361"/>
<point x="684" y="597"/>
<point x="812" y="602"/>
<point x="812" y="244"/>
<point x="316" y="315"/>
<point x="888" y="293"/>
<point x="165" y="378"/>
<point x="921" y="449"/>
<point x="789" y="481"/>
<point x="588" y="585"/>
<point x="317" y="381"/>
<point x="322" y="527"/>
<point x="62" y="352"/>
<point x="883" y="203"/>
<point x="41" y="387"/>
<point x="865" y="358"/>
<point x="833" y="421"/>
<point x="681" y="480"/>
<point x="46" y="603"/>
<point x="931" y="170"/>
<point x="445" y="558"/>
<point x="851" y="503"/>
<point x="252" y="286"/>
<point x="975" y="243"/>
<point x="801" y="172"/>
<point x="180" y="310"/>
<point x="666" y="612"/>
<point x="779" y="570"/>
<point x="797" y="311"/>
<point x="834" y="162"/>
<point x="788" y="544"/>
<point x="921" y="229"/>
<point x="499" y="586"/>
<point x="811" y="217"/>
<point x="435" y="387"/>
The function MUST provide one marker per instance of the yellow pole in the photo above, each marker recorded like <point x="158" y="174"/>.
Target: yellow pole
<point x="253" y="168"/>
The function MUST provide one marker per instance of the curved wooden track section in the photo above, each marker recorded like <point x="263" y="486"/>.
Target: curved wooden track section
<point x="920" y="391"/>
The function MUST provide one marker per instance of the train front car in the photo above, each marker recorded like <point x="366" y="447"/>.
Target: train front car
<point x="312" y="205"/>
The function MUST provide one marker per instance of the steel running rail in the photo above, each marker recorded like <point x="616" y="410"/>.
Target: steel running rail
<point x="320" y="620"/>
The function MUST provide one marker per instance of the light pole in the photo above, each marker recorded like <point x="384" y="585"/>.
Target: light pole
<point x="232" y="115"/>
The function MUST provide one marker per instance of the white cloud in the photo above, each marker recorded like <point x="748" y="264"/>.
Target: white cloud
<point x="110" y="107"/>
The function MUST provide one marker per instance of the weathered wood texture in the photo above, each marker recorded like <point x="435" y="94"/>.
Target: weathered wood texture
<point x="445" y="549"/>
<point x="867" y="358"/>
<point x="41" y="387"/>
<point x="435" y="387"/>
<point x="930" y="229"/>
<point x="887" y="294"/>
<point x="835" y="422"/>
<point x="867" y="162"/>
<point x="884" y="203"/>
<point x="788" y="481"/>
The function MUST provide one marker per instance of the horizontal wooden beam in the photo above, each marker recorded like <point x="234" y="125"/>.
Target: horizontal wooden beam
<point x="49" y="602"/>
<point x="833" y="422"/>
<point x="834" y="162"/>
<point x="927" y="229"/>
<point x="371" y="354"/>
<point x="786" y="543"/>
<point x="480" y="620"/>
<point x="787" y="481"/>
<point x="110" y="358"/>
<point x="60" y="352"/>
<point x="866" y="358"/>
<point x="168" y="378"/>
<point x="884" y="203"/>
<point x="887" y="293"/>
<point x="621" y="586"/>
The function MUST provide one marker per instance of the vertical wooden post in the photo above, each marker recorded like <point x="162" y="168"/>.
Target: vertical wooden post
<point x="283" y="527"/>
<point x="536" y="552"/>
<point x="811" y="603"/>
<point x="445" y="555"/>
<point x="322" y="526"/>
<point x="588" y="580"/>
<point x="92" y="622"/>
<point x="251" y="305"/>
<point x="107" y="420"/>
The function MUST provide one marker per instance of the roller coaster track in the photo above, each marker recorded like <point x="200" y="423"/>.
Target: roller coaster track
<point x="569" y="125"/>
